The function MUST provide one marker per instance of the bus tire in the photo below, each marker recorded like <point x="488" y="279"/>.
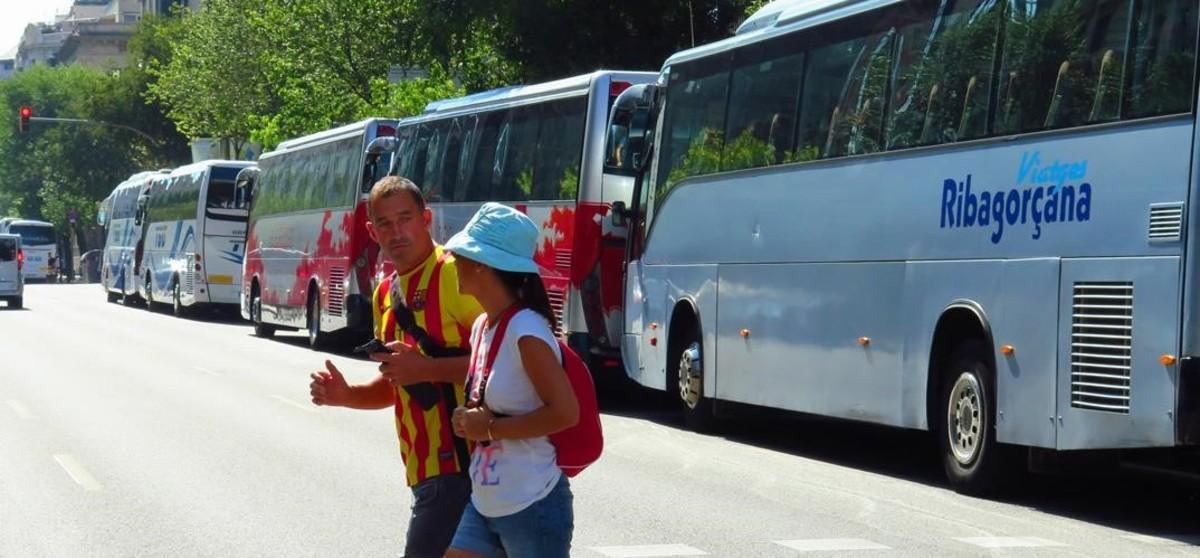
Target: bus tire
<point x="317" y="339"/>
<point x="975" y="463"/>
<point x="688" y="359"/>
<point x="177" y="306"/>
<point x="263" y="330"/>
<point x="16" y="303"/>
<point x="113" y="297"/>
<point x="149" y="294"/>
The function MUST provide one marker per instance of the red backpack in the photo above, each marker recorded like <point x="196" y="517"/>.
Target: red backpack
<point x="579" y="446"/>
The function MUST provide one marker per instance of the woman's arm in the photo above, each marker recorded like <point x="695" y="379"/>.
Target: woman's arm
<point x="561" y="409"/>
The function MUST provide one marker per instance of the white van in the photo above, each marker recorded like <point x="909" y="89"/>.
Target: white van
<point x="12" y="259"/>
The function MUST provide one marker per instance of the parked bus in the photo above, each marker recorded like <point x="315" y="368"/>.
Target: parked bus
<point x="309" y="260"/>
<point x="195" y="236"/>
<point x="962" y="216"/>
<point x="124" y="238"/>
<point x="538" y="148"/>
<point x="40" y="243"/>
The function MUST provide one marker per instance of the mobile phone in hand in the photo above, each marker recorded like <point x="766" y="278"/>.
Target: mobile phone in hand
<point x="371" y="347"/>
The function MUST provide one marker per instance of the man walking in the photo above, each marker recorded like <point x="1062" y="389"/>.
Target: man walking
<point x="424" y="391"/>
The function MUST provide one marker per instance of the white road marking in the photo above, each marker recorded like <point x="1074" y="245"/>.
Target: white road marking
<point x="1165" y="540"/>
<point x="818" y="545"/>
<point x="20" y="409"/>
<point x="1009" y="542"/>
<point x="290" y="403"/>
<point x="78" y="474"/>
<point x="649" y="551"/>
<point x="207" y="371"/>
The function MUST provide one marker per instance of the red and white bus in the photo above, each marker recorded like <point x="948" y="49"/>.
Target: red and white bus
<point x="541" y="149"/>
<point x="309" y="260"/>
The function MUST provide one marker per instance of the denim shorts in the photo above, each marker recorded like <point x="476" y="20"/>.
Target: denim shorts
<point x="543" y="530"/>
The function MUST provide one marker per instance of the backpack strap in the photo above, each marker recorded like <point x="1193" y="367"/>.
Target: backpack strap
<point x="490" y="361"/>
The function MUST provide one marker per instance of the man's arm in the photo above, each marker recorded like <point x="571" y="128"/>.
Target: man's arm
<point x="407" y="366"/>
<point x="329" y="388"/>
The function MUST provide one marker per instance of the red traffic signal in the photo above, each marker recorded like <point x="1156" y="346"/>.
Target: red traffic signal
<point x="23" y="124"/>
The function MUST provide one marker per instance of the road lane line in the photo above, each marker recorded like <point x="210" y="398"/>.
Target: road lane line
<point x="290" y="403"/>
<point x="207" y="371"/>
<point x="20" y="409"/>
<point x="649" y="551"/>
<point x="78" y="474"/>
<point x="1009" y="542"/>
<point x="823" y="545"/>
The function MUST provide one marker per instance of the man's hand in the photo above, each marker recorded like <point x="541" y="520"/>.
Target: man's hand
<point x="329" y="387"/>
<point x="404" y="366"/>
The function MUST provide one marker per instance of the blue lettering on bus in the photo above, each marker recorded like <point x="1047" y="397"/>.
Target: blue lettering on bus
<point x="1044" y="194"/>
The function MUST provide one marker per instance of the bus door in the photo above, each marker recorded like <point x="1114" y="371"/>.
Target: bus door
<point x="627" y="154"/>
<point x="625" y="151"/>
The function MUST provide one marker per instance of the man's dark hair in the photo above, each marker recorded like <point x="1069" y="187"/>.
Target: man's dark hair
<point x="389" y="186"/>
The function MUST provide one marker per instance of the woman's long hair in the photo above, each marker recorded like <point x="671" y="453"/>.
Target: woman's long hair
<point x="530" y="293"/>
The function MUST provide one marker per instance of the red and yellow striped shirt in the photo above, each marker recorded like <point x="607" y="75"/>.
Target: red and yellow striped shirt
<point x="427" y="442"/>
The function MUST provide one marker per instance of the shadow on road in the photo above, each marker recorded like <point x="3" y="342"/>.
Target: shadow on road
<point x="1098" y="492"/>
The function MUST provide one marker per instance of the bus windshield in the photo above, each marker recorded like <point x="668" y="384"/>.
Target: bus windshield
<point x="222" y="193"/>
<point x="34" y="235"/>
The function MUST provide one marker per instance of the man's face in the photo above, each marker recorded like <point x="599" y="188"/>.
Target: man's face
<point x="401" y="228"/>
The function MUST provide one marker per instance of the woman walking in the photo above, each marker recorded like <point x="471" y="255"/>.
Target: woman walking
<point x="517" y="395"/>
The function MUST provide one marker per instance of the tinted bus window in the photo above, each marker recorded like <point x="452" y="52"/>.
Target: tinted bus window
<point x="694" y="122"/>
<point x="1063" y="63"/>
<point x="762" y="106"/>
<point x="845" y="86"/>
<point x="943" y="75"/>
<point x="559" y="150"/>
<point x="221" y="190"/>
<point x="1163" y="58"/>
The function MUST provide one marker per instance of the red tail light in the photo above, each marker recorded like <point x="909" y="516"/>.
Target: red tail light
<point x="20" y="260"/>
<point x="615" y="88"/>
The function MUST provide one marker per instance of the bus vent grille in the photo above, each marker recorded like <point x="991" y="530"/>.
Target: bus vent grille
<point x="337" y="291"/>
<point x="1101" y="343"/>
<point x="1166" y="222"/>
<point x="189" y="275"/>
<point x="562" y="261"/>
<point x="558" y="300"/>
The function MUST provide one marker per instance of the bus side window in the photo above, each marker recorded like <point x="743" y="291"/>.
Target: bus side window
<point x="1164" y="58"/>
<point x="1062" y="64"/>
<point x="943" y="76"/>
<point x="483" y="172"/>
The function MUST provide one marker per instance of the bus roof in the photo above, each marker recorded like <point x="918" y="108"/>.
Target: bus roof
<point x="330" y="134"/>
<point x="515" y="94"/>
<point x="189" y="169"/>
<point x="26" y="223"/>
<point x="778" y="18"/>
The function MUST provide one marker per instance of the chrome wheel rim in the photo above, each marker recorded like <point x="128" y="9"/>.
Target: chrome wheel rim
<point x="691" y="375"/>
<point x="965" y="419"/>
<point x="314" y="320"/>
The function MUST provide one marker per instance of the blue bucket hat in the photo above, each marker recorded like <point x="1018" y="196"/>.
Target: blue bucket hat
<point x="499" y="237"/>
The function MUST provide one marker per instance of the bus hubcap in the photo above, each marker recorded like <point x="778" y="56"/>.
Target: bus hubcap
<point x="965" y="419"/>
<point x="691" y="373"/>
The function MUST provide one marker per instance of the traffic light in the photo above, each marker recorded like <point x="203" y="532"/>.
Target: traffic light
<point x="23" y="123"/>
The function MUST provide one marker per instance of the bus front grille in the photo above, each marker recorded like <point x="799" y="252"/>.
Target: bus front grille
<point x="337" y="291"/>
<point x="1101" y="346"/>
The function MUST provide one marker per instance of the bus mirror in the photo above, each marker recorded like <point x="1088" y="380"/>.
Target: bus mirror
<point x="619" y="214"/>
<point x="381" y="145"/>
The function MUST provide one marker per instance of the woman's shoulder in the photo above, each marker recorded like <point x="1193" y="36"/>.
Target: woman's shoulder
<point x="529" y="320"/>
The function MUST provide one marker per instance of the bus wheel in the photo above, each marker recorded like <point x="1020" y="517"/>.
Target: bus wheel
<point x="689" y="376"/>
<point x="149" y="294"/>
<point x="266" y="331"/>
<point x="113" y="297"/>
<point x="316" y="338"/>
<point x="16" y="303"/>
<point x="177" y="306"/>
<point x="975" y="463"/>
